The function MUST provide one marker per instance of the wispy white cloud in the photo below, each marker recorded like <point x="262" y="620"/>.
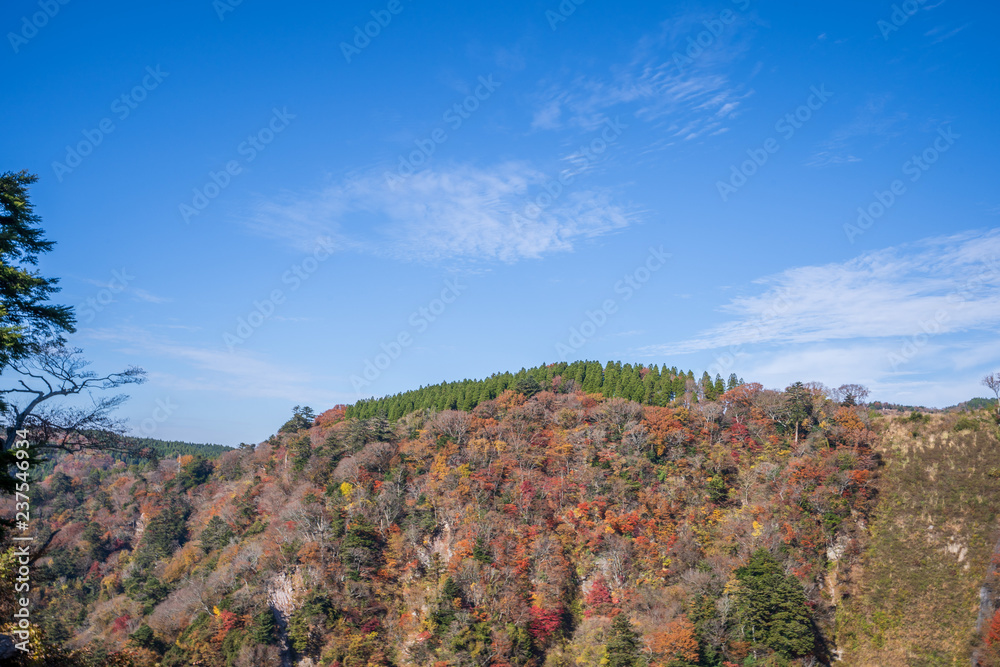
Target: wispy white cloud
<point x="943" y="32"/>
<point x="916" y="323"/>
<point x="143" y="295"/>
<point x="873" y="122"/>
<point x="943" y="373"/>
<point x="688" y="91"/>
<point x="953" y="280"/>
<point x="120" y="284"/>
<point x="240" y="374"/>
<point x="688" y="106"/>
<point x="501" y="212"/>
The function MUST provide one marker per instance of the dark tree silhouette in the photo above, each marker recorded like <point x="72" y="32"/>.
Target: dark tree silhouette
<point x="58" y="372"/>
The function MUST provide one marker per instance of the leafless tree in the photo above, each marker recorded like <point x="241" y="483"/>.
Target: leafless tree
<point x="376" y="457"/>
<point x="851" y="394"/>
<point x="619" y="415"/>
<point x="618" y="556"/>
<point x="992" y="381"/>
<point x="59" y="372"/>
<point x="634" y="439"/>
<point x="454" y="424"/>
<point x="389" y="502"/>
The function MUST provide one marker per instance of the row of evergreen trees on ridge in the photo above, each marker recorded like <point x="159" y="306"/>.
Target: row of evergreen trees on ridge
<point x="648" y="385"/>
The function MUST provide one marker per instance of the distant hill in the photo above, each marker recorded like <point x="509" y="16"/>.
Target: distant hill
<point x="175" y="448"/>
<point x="974" y="404"/>
<point x="163" y="449"/>
<point x="884" y="406"/>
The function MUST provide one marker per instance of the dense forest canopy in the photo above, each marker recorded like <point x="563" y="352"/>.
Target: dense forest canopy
<point x="568" y="514"/>
<point x="554" y="519"/>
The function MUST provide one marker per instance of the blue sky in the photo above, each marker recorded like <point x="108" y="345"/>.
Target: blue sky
<point x="254" y="201"/>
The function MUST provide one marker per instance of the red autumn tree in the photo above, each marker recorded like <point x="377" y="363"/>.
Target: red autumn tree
<point x="544" y="623"/>
<point x="598" y="599"/>
<point x="993" y="631"/>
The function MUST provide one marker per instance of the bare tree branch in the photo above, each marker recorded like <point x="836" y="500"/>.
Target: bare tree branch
<point x="993" y="382"/>
<point x="56" y="371"/>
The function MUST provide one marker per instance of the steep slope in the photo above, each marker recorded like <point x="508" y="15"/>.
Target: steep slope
<point x="921" y="589"/>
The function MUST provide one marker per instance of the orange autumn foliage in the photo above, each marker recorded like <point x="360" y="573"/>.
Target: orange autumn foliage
<point x="331" y="416"/>
<point x="662" y="424"/>
<point x="676" y="641"/>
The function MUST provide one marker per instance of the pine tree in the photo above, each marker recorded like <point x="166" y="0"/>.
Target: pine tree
<point x="799" y="405"/>
<point x="594" y="379"/>
<point x="26" y="318"/>
<point x="649" y="384"/>
<point x="772" y="607"/>
<point x="612" y="376"/>
<point x="707" y="386"/>
<point x="623" y="647"/>
<point x="528" y="386"/>
<point x="263" y="630"/>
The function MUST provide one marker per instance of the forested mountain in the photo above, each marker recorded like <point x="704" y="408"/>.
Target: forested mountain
<point x="174" y="448"/>
<point x="651" y="385"/>
<point x="564" y="515"/>
<point x="141" y="451"/>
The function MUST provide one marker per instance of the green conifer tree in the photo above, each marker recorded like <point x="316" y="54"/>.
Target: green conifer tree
<point x="623" y="648"/>
<point x="771" y="607"/>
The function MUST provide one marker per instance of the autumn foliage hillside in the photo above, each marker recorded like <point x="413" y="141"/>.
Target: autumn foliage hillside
<point x="547" y="526"/>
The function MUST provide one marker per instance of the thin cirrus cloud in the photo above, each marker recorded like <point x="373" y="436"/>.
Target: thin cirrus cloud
<point x="874" y="123"/>
<point x="685" y="90"/>
<point x="943" y="284"/>
<point x="464" y="212"/>
<point x="214" y="369"/>
<point x="941" y="33"/>
<point x="690" y="106"/>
